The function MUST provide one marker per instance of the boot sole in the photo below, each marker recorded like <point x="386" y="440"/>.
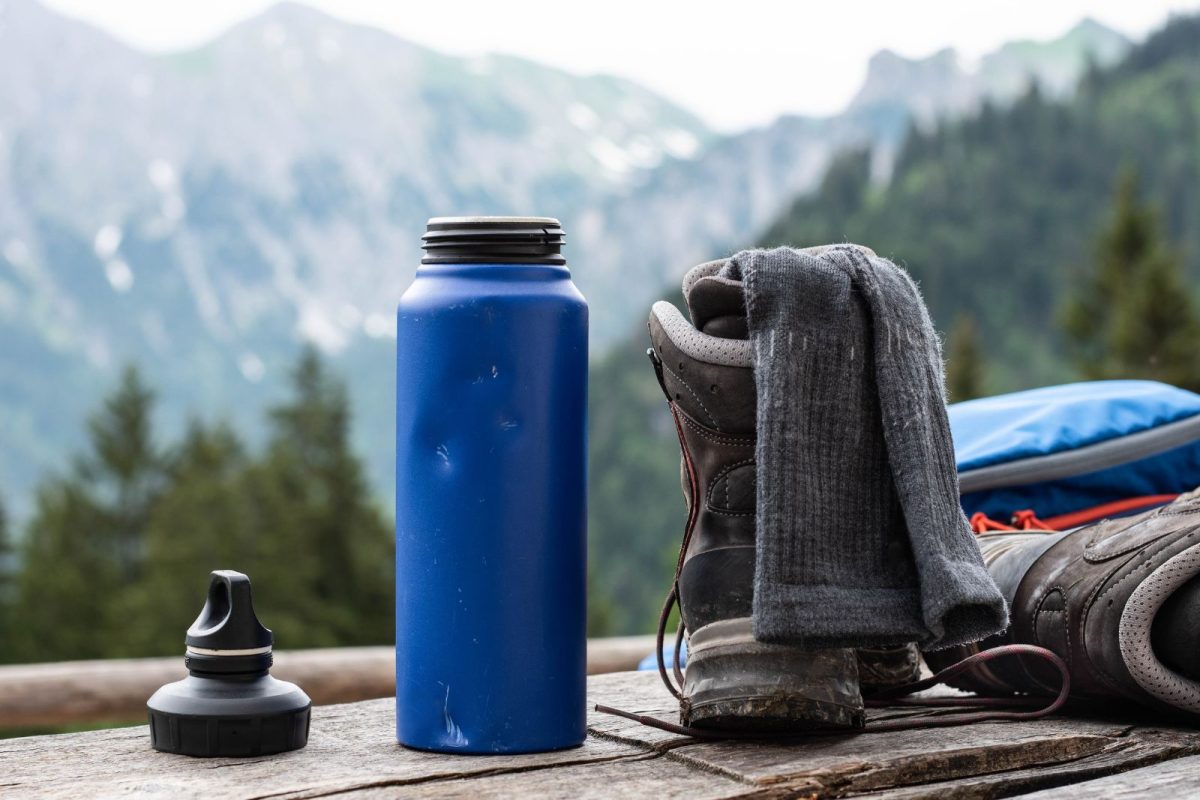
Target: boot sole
<point x="887" y="667"/>
<point x="734" y="682"/>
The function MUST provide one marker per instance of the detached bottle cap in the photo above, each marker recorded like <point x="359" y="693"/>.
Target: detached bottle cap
<point x="228" y="705"/>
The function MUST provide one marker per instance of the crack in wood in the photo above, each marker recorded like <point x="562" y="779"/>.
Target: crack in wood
<point x="354" y="752"/>
<point x="1120" y="756"/>
<point x="304" y="794"/>
<point x="232" y="764"/>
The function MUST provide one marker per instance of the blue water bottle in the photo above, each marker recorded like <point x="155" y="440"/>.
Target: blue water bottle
<point x="491" y="460"/>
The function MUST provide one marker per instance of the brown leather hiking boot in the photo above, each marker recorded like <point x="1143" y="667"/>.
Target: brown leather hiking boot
<point x="1118" y="600"/>
<point x="733" y="681"/>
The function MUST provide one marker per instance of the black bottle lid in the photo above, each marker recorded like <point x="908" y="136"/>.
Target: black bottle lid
<point x="493" y="240"/>
<point x="228" y="705"/>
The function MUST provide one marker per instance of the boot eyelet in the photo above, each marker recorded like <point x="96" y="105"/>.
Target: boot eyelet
<point x="712" y="389"/>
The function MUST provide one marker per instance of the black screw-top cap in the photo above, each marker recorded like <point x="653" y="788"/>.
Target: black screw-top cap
<point x="228" y="705"/>
<point x="493" y="240"/>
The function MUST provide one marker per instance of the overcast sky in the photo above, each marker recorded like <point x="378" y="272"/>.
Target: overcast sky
<point x="736" y="64"/>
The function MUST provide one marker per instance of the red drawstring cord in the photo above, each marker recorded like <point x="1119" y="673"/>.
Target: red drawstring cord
<point x="1024" y="520"/>
<point x="1027" y="520"/>
<point x="982" y="523"/>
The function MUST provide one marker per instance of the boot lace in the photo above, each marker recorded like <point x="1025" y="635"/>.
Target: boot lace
<point x="986" y="708"/>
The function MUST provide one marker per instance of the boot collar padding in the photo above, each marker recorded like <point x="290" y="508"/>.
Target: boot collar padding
<point x="716" y="304"/>
<point x="698" y="345"/>
<point x="706" y="270"/>
<point x="1134" y="632"/>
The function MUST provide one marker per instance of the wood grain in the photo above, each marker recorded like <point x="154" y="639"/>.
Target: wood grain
<point x="351" y="747"/>
<point x="352" y="750"/>
<point x="1124" y="754"/>
<point x="1174" y="779"/>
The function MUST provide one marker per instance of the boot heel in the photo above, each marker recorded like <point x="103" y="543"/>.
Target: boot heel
<point x="887" y="667"/>
<point x="735" y="682"/>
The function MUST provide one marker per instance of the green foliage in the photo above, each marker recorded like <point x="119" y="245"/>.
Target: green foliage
<point x="84" y="545"/>
<point x="636" y="510"/>
<point x="6" y="578"/>
<point x="985" y="211"/>
<point x="116" y="558"/>
<point x="201" y="522"/>
<point x="964" y="362"/>
<point x="1131" y="315"/>
<point x="328" y="568"/>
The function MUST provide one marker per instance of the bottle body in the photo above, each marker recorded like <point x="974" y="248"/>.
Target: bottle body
<point x="491" y="509"/>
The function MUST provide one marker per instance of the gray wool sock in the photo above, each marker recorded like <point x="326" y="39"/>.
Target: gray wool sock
<point x="861" y="538"/>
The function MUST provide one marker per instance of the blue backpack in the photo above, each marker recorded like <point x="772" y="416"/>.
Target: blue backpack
<point x="1067" y="455"/>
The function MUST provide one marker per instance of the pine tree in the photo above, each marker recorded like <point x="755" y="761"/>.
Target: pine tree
<point x="964" y="365"/>
<point x="201" y="522"/>
<point x="6" y="597"/>
<point x="83" y="551"/>
<point x="1134" y="315"/>
<point x="324" y="548"/>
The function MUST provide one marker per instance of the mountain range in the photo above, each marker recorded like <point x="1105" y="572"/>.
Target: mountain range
<point x="202" y="213"/>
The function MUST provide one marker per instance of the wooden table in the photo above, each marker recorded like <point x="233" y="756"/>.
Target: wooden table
<point x="352" y="750"/>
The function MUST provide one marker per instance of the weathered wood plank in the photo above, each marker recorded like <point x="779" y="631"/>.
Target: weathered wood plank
<point x="351" y="747"/>
<point x="352" y="750"/>
<point x="1124" y="754"/>
<point x="850" y="764"/>
<point x="116" y="690"/>
<point x="854" y="764"/>
<point x="650" y="776"/>
<point x="1173" y="779"/>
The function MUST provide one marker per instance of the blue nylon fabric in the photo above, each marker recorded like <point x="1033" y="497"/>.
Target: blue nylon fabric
<point x="1037" y="422"/>
<point x="1172" y="472"/>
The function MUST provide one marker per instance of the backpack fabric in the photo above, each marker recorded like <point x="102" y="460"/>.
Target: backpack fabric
<point x="1078" y="451"/>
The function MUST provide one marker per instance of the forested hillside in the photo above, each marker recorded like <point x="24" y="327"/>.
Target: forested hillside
<point x="202" y="214"/>
<point x="116" y="555"/>
<point x="1003" y="217"/>
<point x="994" y="215"/>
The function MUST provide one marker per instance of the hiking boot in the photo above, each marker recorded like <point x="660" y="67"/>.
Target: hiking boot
<point x="733" y="681"/>
<point x="1118" y="601"/>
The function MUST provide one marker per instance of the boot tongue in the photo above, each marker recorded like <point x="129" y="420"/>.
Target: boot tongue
<point x="718" y="307"/>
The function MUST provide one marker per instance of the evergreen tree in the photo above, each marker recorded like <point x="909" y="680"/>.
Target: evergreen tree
<point x="846" y="182"/>
<point x="83" y="551"/>
<point x="118" y="551"/>
<point x="636" y="510"/>
<point x="6" y="598"/>
<point x="325" y="551"/>
<point x="964" y="364"/>
<point x="201" y="522"/>
<point x="125" y="469"/>
<point x="1134" y="315"/>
